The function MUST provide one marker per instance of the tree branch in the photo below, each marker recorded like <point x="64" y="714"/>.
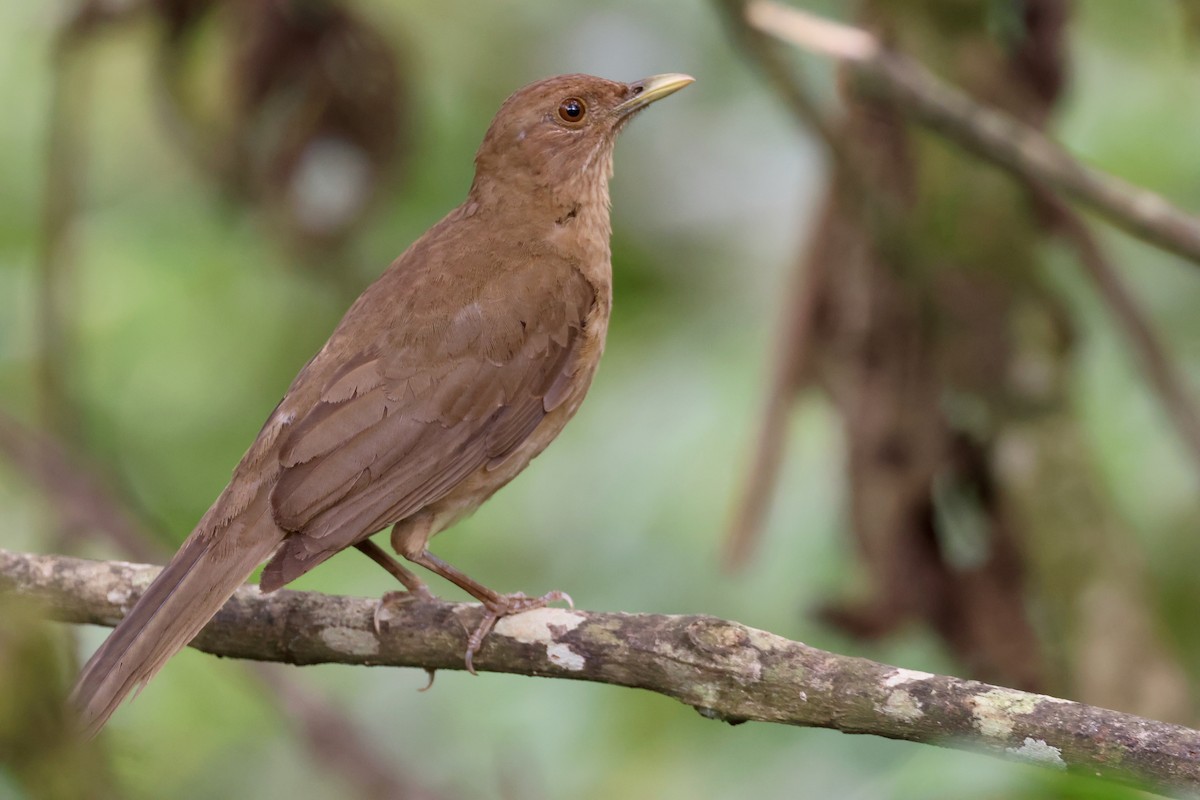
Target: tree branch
<point x="995" y="136"/>
<point x="723" y="669"/>
<point x="1160" y="371"/>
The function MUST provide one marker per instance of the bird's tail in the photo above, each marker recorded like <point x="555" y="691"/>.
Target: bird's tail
<point x="209" y="567"/>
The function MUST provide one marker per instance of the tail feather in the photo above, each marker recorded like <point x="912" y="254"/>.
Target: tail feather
<point x="204" y="574"/>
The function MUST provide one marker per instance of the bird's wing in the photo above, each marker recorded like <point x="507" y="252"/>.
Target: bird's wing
<point x="396" y="429"/>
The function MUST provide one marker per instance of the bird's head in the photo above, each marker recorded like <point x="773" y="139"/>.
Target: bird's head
<point x="557" y="135"/>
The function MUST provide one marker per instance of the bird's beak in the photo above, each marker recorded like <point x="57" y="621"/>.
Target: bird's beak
<point x="647" y="90"/>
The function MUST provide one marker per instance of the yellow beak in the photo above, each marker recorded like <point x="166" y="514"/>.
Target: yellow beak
<point x="656" y="87"/>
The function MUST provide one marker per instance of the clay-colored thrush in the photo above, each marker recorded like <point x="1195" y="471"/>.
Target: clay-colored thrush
<point x="440" y="384"/>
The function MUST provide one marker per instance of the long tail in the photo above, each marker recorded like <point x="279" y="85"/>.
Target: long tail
<point x="205" y="572"/>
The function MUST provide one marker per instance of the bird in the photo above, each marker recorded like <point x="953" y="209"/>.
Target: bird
<point x="442" y="381"/>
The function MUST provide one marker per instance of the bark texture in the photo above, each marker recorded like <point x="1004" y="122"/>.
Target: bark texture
<point x="723" y="669"/>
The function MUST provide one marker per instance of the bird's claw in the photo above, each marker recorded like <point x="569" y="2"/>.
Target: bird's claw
<point x="390" y="602"/>
<point x="510" y="604"/>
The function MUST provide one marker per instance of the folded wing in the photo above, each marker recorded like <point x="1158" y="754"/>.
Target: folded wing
<point x="397" y="429"/>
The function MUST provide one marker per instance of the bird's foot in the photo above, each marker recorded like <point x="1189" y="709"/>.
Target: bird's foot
<point x="392" y="602"/>
<point x="508" y="605"/>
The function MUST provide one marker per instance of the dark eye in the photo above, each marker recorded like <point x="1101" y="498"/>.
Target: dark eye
<point x="572" y="109"/>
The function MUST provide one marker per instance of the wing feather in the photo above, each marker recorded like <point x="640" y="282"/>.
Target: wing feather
<point x="395" y="431"/>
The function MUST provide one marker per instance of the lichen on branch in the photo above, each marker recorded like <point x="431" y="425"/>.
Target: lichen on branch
<point x="723" y="669"/>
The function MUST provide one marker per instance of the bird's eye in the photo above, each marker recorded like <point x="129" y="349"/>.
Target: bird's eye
<point x="572" y="109"/>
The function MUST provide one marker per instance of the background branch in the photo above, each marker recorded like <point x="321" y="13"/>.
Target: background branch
<point x="1160" y="371"/>
<point x="796" y="346"/>
<point x="998" y="138"/>
<point x="57" y="287"/>
<point x="723" y="669"/>
<point x="986" y="132"/>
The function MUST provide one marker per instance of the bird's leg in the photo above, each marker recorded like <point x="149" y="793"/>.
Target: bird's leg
<point x="495" y="605"/>
<point x="416" y="588"/>
<point x="397" y="570"/>
<point x="410" y="538"/>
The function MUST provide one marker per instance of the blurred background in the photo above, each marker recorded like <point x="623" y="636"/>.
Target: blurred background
<point x="973" y="475"/>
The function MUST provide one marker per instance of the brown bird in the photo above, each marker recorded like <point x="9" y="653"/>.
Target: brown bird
<point x="443" y="380"/>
